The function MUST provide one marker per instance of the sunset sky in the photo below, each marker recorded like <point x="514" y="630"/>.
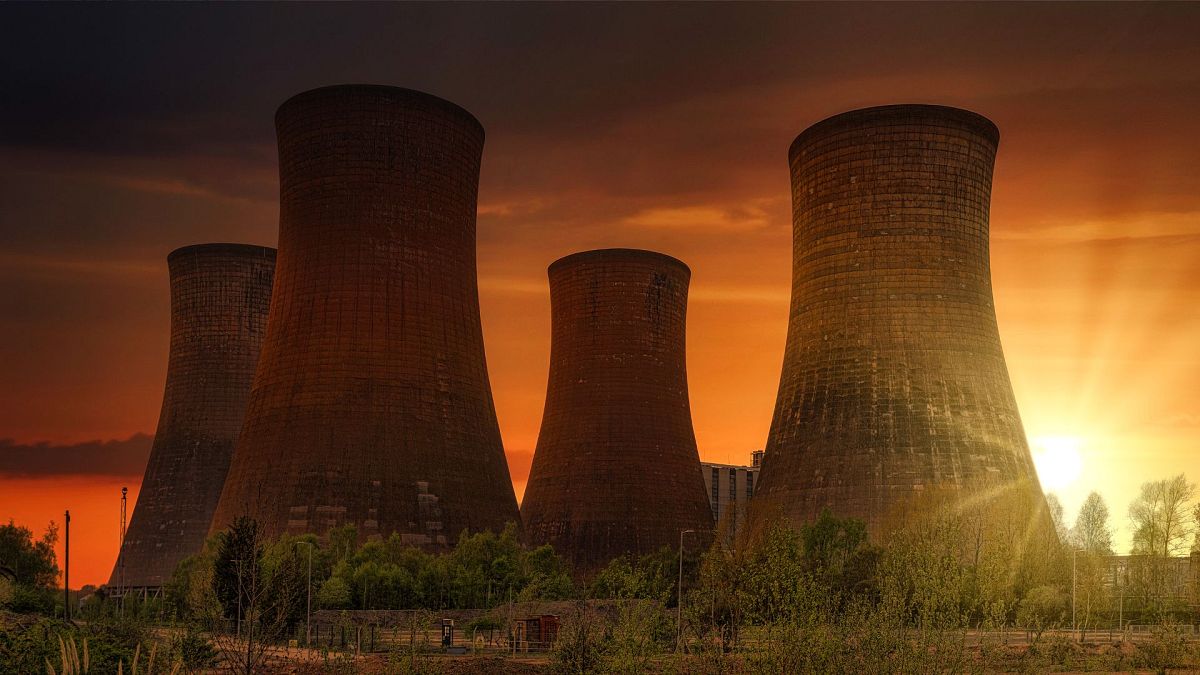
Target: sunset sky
<point x="127" y="131"/>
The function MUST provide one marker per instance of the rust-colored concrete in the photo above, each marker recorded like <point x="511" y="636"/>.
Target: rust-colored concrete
<point x="893" y="380"/>
<point x="616" y="468"/>
<point x="371" y="405"/>
<point x="219" y="299"/>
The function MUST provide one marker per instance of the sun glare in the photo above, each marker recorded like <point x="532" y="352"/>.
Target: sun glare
<point x="1057" y="460"/>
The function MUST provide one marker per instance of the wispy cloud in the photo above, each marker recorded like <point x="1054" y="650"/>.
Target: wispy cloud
<point x="40" y="263"/>
<point x="700" y="217"/>
<point x="1142" y="226"/>
<point x="515" y="286"/>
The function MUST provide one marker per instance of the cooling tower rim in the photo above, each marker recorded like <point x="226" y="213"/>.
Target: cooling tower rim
<point x="617" y="255"/>
<point x="398" y="92"/>
<point x="973" y="120"/>
<point x="222" y="248"/>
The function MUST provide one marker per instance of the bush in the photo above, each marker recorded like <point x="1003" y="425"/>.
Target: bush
<point x="193" y="649"/>
<point x="579" y="648"/>
<point x="26" y="643"/>
<point x="1043" y="607"/>
<point x="639" y="632"/>
<point x="1168" y="647"/>
<point x="111" y="642"/>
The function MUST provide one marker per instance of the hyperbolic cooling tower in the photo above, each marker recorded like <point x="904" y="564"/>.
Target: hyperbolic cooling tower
<point x="371" y="405"/>
<point x="894" y="382"/>
<point x="616" y="469"/>
<point x="219" y="299"/>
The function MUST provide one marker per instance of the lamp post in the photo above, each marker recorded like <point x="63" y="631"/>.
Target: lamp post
<point x="1074" y="625"/>
<point x="679" y="596"/>
<point x="121" y="550"/>
<point x="239" y="594"/>
<point x="308" y="604"/>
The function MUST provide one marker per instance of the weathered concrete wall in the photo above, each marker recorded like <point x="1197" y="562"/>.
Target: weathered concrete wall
<point x="372" y="404"/>
<point x="893" y="380"/>
<point x="219" y="299"/>
<point x="616" y="468"/>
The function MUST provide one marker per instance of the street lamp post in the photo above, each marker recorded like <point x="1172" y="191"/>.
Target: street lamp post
<point x="308" y="604"/>
<point x="239" y="594"/>
<point x="679" y="596"/>
<point x="121" y="550"/>
<point x="1074" y="625"/>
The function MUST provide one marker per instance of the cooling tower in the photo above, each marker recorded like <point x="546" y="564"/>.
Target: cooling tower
<point x="894" y="383"/>
<point x="616" y="469"/>
<point x="371" y="405"/>
<point x="219" y="299"/>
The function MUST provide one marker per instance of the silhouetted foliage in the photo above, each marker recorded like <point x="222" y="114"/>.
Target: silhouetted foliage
<point x="33" y="566"/>
<point x="237" y="564"/>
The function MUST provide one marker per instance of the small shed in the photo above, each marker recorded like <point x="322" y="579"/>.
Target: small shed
<point x="535" y="633"/>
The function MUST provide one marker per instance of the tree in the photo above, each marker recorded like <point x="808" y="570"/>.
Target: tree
<point x="1093" y="536"/>
<point x="837" y="554"/>
<point x="1043" y="607"/>
<point x="1161" y="518"/>
<point x="652" y="576"/>
<point x="1056" y="515"/>
<point x="1162" y="522"/>
<point x="238" y="564"/>
<point x="1196" y="527"/>
<point x="261" y="599"/>
<point x="33" y="566"/>
<point x="190" y="593"/>
<point x="1092" y="531"/>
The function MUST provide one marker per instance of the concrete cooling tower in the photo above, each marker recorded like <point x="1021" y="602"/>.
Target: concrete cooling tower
<point x="616" y="469"/>
<point x="894" y="382"/>
<point x="219" y="299"/>
<point x="371" y="405"/>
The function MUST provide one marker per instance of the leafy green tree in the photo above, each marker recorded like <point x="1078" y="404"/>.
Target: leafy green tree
<point x="1092" y="531"/>
<point x="546" y="576"/>
<point x="33" y="565"/>
<point x="653" y="576"/>
<point x="837" y="554"/>
<point x="1054" y="504"/>
<point x="190" y="594"/>
<point x="334" y="594"/>
<point x="1093" y="535"/>
<point x="285" y="575"/>
<point x="237" y="566"/>
<point x="1196" y="529"/>
<point x="1161" y="517"/>
<point x="1043" y="607"/>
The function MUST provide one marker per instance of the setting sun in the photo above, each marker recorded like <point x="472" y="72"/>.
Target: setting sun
<point x="1058" y="460"/>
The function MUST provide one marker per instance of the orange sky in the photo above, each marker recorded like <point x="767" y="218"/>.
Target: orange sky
<point x="655" y="127"/>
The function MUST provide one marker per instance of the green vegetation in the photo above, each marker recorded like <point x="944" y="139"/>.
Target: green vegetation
<point x="33" y="569"/>
<point x="988" y="584"/>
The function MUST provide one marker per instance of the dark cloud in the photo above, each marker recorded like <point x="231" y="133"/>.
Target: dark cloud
<point x="92" y="458"/>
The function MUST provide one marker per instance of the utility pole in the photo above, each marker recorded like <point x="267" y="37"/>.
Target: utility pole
<point x="679" y="596"/>
<point x="67" y="567"/>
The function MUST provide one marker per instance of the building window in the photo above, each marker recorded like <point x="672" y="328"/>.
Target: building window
<point x="716" y="491"/>
<point x="749" y="484"/>
<point x="732" y="486"/>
